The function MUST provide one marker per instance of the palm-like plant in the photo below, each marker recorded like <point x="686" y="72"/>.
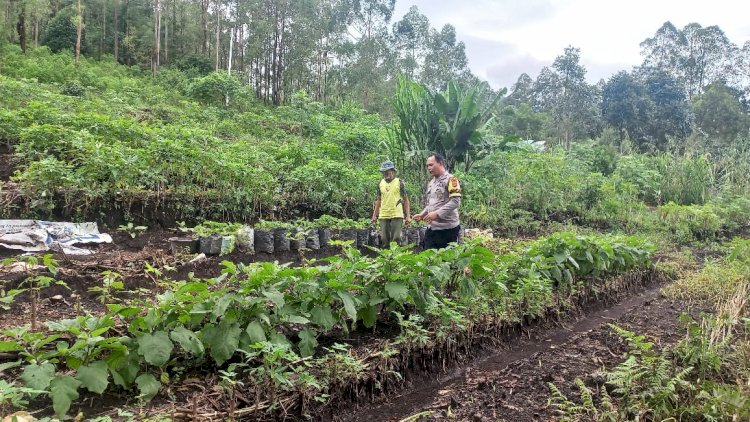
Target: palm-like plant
<point x="451" y="123"/>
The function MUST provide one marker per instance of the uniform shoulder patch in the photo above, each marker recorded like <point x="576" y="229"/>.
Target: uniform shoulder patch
<point x="453" y="184"/>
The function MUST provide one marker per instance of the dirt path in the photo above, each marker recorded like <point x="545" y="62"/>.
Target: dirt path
<point x="511" y="385"/>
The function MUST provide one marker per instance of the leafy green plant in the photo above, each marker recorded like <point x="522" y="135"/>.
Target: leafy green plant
<point x="132" y="230"/>
<point x="14" y="397"/>
<point x="208" y="228"/>
<point x="111" y="283"/>
<point x="35" y="282"/>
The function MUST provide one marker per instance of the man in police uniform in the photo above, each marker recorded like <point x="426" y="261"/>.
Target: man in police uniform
<point x="392" y="206"/>
<point x="443" y="200"/>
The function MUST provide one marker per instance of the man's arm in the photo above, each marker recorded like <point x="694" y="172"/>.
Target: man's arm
<point x="375" y="211"/>
<point x="407" y="208"/>
<point x="449" y="206"/>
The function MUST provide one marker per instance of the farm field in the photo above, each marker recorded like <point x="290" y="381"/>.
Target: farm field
<point x="602" y="272"/>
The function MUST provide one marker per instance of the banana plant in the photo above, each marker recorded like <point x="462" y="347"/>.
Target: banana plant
<point x="452" y="123"/>
<point x="464" y="116"/>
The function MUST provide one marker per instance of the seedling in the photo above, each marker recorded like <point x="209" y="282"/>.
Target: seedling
<point x="111" y="282"/>
<point x="35" y="282"/>
<point x="132" y="230"/>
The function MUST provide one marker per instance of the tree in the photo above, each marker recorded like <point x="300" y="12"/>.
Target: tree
<point x="62" y="32"/>
<point x="21" y="27"/>
<point x="522" y="91"/>
<point x="366" y="58"/>
<point x="696" y="56"/>
<point x="520" y="121"/>
<point x="627" y="107"/>
<point x="720" y="115"/>
<point x="410" y="38"/>
<point x="445" y="59"/>
<point x="79" y="30"/>
<point x="671" y="112"/>
<point x="572" y="104"/>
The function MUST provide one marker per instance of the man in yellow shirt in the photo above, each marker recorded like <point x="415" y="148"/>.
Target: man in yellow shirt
<point x="392" y="206"/>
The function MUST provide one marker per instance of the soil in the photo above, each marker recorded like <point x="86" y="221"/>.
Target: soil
<point x="512" y="384"/>
<point x="127" y="256"/>
<point x="7" y="167"/>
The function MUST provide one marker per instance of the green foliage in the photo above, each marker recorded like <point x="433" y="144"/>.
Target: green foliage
<point x="132" y="230"/>
<point x="450" y="123"/>
<point x="61" y="32"/>
<point x="208" y="228"/>
<point x="14" y="397"/>
<point x="697" y="379"/>
<point x="215" y="89"/>
<point x="688" y="222"/>
<point x="73" y="89"/>
<point x="271" y="313"/>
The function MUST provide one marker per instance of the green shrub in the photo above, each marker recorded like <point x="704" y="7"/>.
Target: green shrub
<point x="73" y="88"/>
<point x="690" y="222"/>
<point x="214" y="89"/>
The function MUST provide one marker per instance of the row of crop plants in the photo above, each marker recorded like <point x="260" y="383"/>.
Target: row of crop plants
<point x="261" y="324"/>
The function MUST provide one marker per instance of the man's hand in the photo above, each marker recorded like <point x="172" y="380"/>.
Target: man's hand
<point x="407" y="220"/>
<point x="418" y="217"/>
<point x="374" y="220"/>
<point x="430" y="217"/>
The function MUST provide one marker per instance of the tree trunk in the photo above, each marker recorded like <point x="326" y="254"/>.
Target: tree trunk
<point x="204" y="23"/>
<point x="158" y="34"/>
<point x="218" y="31"/>
<point x="21" y="28"/>
<point x="103" y="32"/>
<point x="79" y="30"/>
<point x="279" y="71"/>
<point x="117" y="30"/>
<point x="36" y="31"/>
<point x="231" y="46"/>
<point x="166" y="40"/>
<point x="157" y="43"/>
<point x="241" y="47"/>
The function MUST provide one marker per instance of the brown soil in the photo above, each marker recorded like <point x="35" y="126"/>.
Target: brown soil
<point x="512" y="384"/>
<point x="7" y="167"/>
<point x="127" y="256"/>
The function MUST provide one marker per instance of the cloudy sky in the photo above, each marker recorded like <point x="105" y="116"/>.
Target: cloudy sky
<point x="505" y="38"/>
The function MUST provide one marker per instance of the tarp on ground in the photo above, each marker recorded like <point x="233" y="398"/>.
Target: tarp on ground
<point x="42" y="236"/>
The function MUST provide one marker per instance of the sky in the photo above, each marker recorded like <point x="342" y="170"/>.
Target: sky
<point x="505" y="38"/>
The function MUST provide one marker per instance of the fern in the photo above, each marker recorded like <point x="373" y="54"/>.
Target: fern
<point x="566" y="409"/>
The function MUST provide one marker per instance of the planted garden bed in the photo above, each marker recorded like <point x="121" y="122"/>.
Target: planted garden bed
<point x="306" y="339"/>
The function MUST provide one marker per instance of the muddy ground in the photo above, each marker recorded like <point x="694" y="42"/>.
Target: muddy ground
<point x="512" y="384"/>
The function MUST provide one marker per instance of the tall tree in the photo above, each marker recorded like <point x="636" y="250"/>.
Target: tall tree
<point x="695" y="55"/>
<point x="627" y="107"/>
<point x="365" y="59"/>
<point x="116" y="36"/>
<point x="79" y="30"/>
<point x="21" y="26"/>
<point x="445" y="60"/>
<point x="671" y="113"/>
<point x="410" y="36"/>
<point x="573" y="105"/>
<point x="156" y="52"/>
<point x="522" y="90"/>
<point x="720" y="116"/>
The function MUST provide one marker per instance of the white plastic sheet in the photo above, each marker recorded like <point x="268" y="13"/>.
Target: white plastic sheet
<point x="41" y="236"/>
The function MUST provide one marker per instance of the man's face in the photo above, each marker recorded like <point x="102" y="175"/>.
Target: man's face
<point x="389" y="174"/>
<point x="434" y="168"/>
